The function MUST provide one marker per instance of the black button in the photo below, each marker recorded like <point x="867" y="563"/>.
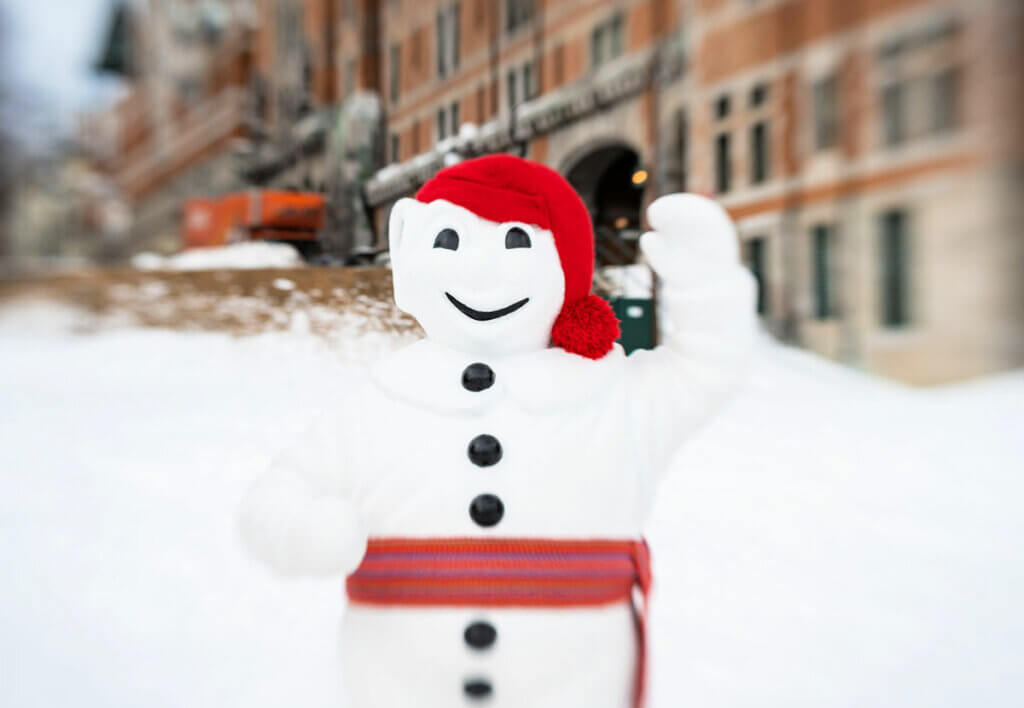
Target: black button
<point x="477" y="377"/>
<point x="484" y="450"/>
<point x="480" y="635"/>
<point x="477" y="688"/>
<point x="486" y="510"/>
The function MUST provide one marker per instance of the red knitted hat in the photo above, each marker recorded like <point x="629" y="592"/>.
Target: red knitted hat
<point x="508" y="188"/>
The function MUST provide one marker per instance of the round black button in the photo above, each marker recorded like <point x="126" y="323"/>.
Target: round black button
<point x="477" y="377"/>
<point x="480" y="635"/>
<point x="484" y="450"/>
<point x="477" y="688"/>
<point x="486" y="510"/>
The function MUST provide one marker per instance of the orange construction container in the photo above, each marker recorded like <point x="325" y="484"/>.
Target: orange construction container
<point x="253" y="215"/>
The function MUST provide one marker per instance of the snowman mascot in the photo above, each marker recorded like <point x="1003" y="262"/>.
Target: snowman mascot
<point x="486" y="490"/>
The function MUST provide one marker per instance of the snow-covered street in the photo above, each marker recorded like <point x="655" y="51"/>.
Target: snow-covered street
<point x="831" y="540"/>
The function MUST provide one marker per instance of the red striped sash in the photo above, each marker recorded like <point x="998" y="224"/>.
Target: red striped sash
<point x="507" y="572"/>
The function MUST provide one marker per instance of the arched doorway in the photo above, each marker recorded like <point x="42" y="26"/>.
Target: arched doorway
<point x="611" y="181"/>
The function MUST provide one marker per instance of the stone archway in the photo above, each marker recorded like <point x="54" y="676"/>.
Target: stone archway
<point x="607" y="177"/>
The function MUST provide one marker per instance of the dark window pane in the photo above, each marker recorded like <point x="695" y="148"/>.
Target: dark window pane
<point x="757" y="261"/>
<point x="945" y="89"/>
<point x="826" y="113"/>
<point x="723" y="163"/>
<point x="822" y="255"/>
<point x="439" y="45"/>
<point x="454" y="34"/>
<point x="616" y="36"/>
<point x="442" y="131"/>
<point x="759" y="165"/>
<point x="597" y="53"/>
<point x="895" y="283"/>
<point x="513" y="97"/>
<point x="722" y="107"/>
<point x="396" y="71"/>
<point x="893" y="113"/>
<point x="758" y="95"/>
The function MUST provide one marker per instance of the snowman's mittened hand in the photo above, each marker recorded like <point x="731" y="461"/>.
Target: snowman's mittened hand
<point x="680" y="263"/>
<point x="295" y="532"/>
<point x="696" y="223"/>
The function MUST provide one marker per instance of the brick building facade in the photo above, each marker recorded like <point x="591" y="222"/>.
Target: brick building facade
<point x="868" y="149"/>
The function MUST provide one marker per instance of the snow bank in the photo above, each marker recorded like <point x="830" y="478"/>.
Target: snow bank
<point x="248" y="254"/>
<point x="831" y="540"/>
<point x="633" y="281"/>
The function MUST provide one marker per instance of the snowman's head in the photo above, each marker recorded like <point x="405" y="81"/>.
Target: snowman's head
<point x="475" y="285"/>
<point x="495" y="256"/>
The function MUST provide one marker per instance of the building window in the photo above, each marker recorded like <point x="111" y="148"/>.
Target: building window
<point x="944" y="92"/>
<point x="442" y="124"/>
<point x="822" y="255"/>
<point x="456" y="120"/>
<point x="757" y="261"/>
<point x="597" y="42"/>
<point x="894" y="113"/>
<point x="517" y="14"/>
<point x="615" y="36"/>
<point x="895" y="276"/>
<point x="758" y="95"/>
<point x="415" y="137"/>
<point x="531" y="87"/>
<point x="513" y="97"/>
<point x="395" y="79"/>
<point x="447" y="40"/>
<point x="393" y="147"/>
<point x="350" y="78"/>
<point x="723" y="163"/>
<point x="722" y="107"/>
<point x="606" y="40"/>
<point x="760" y="167"/>
<point x="480" y="104"/>
<point x="826" y="113"/>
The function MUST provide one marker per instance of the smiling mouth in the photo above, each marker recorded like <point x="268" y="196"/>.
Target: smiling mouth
<point x="483" y="316"/>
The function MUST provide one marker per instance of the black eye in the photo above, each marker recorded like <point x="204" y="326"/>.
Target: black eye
<point x="517" y="238"/>
<point x="447" y="239"/>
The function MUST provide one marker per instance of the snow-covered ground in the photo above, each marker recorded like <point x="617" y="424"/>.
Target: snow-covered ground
<point x="831" y="540"/>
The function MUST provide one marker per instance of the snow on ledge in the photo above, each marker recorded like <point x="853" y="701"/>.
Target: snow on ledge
<point x="247" y="255"/>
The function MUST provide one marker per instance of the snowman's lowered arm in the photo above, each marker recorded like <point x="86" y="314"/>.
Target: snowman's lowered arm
<point x="299" y="518"/>
<point x="708" y="328"/>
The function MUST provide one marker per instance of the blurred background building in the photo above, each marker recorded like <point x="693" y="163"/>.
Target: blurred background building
<point x="869" y="150"/>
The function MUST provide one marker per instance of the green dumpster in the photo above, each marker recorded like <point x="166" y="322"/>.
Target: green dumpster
<point x="636" y="319"/>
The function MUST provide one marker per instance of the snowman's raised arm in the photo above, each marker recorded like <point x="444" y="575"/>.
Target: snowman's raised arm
<point x="299" y="517"/>
<point x="707" y="297"/>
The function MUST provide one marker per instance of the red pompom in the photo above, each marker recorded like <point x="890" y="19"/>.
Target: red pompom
<point x="587" y="327"/>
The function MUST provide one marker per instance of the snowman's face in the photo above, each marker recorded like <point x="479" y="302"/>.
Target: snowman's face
<point x="475" y="285"/>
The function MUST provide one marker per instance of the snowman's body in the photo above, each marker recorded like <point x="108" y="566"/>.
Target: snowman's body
<point x="583" y="445"/>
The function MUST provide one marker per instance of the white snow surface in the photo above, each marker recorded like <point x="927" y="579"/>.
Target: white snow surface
<point x="830" y="540"/>
<point x="246" y="254"/>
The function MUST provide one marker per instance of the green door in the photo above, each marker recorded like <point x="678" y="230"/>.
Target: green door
<point x="636" y="319"/>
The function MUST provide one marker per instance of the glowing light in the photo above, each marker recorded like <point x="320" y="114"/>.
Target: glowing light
<point x="639" y="177"/>
<point x="621" y="222"/>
